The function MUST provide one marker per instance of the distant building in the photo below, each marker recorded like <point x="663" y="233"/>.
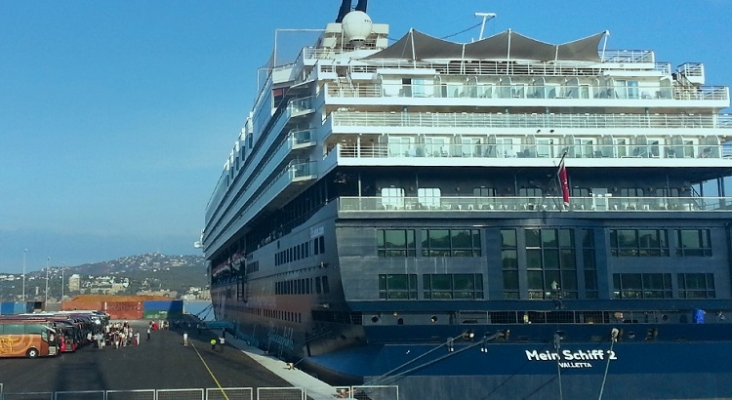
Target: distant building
<point x="75" y="283"/>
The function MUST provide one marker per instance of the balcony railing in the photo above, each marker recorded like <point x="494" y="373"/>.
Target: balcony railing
<point x="632" y="59"/>
<point x="521" y="91"/>
<point x="501" y="120"/>
<point x="399" y="150"/>
<point x="528" y="204"/>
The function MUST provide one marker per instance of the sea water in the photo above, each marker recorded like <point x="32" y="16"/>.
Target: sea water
<point x="200" y="308"/>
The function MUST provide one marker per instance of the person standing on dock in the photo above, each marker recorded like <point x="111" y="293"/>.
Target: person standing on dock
<point x="148" y="333"/>
<point x="222" y="341"/>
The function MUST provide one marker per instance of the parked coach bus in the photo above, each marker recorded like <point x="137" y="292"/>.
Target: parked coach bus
<point x="69" y="331"/>
<point x="26" y="338"/>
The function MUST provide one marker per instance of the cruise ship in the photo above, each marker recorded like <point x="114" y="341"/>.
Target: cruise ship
<point x="500" y="219"/>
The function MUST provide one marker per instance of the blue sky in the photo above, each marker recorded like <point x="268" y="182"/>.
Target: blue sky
<point x="116" y="116"/>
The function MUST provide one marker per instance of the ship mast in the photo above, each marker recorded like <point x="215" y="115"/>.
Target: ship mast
<point x="486" y="17"/>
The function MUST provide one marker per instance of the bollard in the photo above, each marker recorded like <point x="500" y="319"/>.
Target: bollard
<point x="185" y="338"/>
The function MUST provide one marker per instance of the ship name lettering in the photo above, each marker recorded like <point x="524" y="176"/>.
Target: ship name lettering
<point x="569" y="355"/>
<point x="575" y="365"/>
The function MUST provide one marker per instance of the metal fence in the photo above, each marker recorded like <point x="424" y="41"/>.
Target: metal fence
<point x="80" y="395"/>
<point x="147" y="394"/>
<point x="236" y="393"/>
<point x="229" y="394"/>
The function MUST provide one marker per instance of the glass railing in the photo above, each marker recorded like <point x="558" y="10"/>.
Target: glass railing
<point x="525" y="204"/>
<point x="398" y="150"/>
<point x="300" y="105"/>
<point x="299" y="138"/>
<point x="302" y="170"/>
<point x="501" y="120"/>
<point x="483" y="91"/>
<point x="628" y="56"/>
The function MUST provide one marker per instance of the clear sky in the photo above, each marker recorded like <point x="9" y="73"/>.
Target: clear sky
<point x="117" y="116"/>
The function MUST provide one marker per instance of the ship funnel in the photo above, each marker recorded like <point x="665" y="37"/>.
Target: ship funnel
<point x="346" y="8"/>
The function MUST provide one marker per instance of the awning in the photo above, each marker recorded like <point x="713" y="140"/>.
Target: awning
<point x="506" y="45"/>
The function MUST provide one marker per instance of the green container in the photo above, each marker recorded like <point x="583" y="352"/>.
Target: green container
<point x="161" y="314"/>
<point x="155" y="315"/>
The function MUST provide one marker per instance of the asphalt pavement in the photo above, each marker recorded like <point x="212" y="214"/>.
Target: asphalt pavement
<point x="161" y="363"/>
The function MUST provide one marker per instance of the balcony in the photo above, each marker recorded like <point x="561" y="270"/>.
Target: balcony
<point x="516" y="150"/>
<point x="555" y="121"/>
<point x="482" y="90"/>
<point x="534" y="204"/>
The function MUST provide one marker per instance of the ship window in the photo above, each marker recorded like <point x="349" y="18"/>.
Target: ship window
<point x="401" y="146"/>
<point x="584" y="147"/>
<point x="392" y="198"/>
<point x="631" y="192"/>
<point x="485" y="198"/>
<point x="509" y="263"/>
<point x="590" y="265"/>
<point x="437" y="146"/>
<point x="318" y="285"/>
<point x="642" y="286"/>
<point x="484" y="192"/>
<point x="321" y="244"/>
<point x="398" y="286"/>
<point x="667" y="192"/>
<point x="326" y="288"/>
<point x="453" y="286"/>
<point x="530" y="192"/>
<point x="580" y="192"/>
<point x="693" y="242"/>
<point x="639" y="242"/>
<point x="451" y="243"/>
<point x="396" y="243"/>
<point x="428" y="198"/>
<point x="315" y="247"/>
<point x="505" y="148"/>
<point x="550" y="263"/>
<point x="472" y="146"/>
<point x="696" y="286"/>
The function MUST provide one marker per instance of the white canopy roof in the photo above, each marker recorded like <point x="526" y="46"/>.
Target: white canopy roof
<point x="416" y="45"/>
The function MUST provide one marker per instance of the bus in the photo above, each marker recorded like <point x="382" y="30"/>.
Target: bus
<point x="71" y="329"/>
<point x="26" y="338"/>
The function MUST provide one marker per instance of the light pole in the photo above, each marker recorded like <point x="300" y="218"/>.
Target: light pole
<point x="63" y="269"/>
<point x="46" y="302"/>
<point x="23" y="296"/>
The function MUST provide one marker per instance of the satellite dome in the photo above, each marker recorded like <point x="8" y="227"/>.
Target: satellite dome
<point x="357" y="27"/>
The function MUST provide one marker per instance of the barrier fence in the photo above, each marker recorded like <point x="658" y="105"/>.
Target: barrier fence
<point x="239" y="393"/>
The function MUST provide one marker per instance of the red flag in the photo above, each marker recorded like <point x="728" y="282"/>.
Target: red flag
<point x="563" y="181"/>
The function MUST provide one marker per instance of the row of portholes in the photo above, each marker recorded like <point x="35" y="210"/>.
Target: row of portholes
<point x="400" y="321"/>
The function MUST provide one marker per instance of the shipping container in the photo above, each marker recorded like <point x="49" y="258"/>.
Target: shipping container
<point x="74" y="304"/>
<point x="22" y="308"/>
<point x="164" y="305"/>
<point x="6" y="308"/>
<point x="128" y="315"/>
<point x="162" y="314"/>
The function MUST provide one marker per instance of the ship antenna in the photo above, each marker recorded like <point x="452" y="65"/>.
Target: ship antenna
<point x="486" y="17"/>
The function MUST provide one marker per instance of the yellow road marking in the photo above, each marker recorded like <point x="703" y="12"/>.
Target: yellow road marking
<point x="209" y="371"/>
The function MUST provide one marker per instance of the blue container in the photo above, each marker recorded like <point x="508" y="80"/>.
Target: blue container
<point x="164" y="305"/>
<point x="20" y="308"/>
<point x="6" y="308"/>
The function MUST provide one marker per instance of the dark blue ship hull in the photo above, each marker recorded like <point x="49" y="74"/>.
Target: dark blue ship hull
<point x="622" y="370"/>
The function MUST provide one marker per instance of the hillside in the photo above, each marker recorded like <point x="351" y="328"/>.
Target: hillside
<point x="172" y="276"/>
